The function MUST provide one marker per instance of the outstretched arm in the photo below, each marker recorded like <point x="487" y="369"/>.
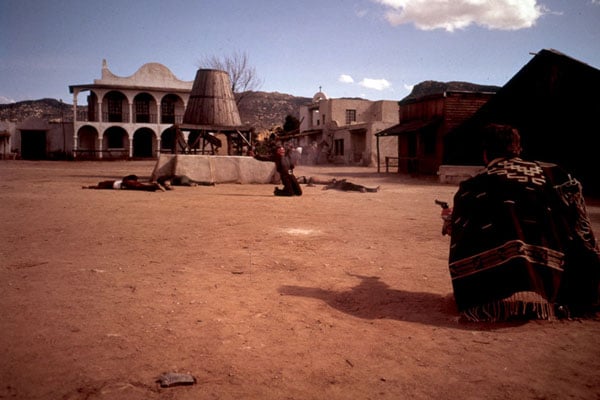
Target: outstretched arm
<point x="263" y="158"/>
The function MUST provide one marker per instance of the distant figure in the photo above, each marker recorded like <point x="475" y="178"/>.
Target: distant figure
<point x="521" y="244"/>
<point x="296" y="155"/>
<point x="129" y="182"/>
<point x="313" y="153"/>
<point x="285" y="168"/>
<point x="323" y="153"/>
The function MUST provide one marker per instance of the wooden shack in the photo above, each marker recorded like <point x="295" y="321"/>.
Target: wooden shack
<point x="424" y="122"/>
<point x="552" y="102"/>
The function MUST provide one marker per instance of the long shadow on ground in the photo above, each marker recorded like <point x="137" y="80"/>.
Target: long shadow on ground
<point x="374" y="299"/>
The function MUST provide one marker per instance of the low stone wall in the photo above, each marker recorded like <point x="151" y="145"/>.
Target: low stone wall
<point x="454" y="174"/>
<point x="216" y="169"/>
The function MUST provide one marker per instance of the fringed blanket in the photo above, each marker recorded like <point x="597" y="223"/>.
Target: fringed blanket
<point x="522" y="245"/>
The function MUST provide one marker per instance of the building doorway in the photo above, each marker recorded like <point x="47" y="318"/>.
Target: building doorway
<point x="359" y="146"/>
<point x="413" y="145"/>
<point x="143" y="143"/>
<point x="33" y="145"/>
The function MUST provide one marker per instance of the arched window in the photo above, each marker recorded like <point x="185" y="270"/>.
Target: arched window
<point x="115" y="103"/>
<point x="167" y="109"/>
<point x="142" y="108"/>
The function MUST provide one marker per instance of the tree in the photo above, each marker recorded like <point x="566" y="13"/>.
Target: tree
<point x="242" y="75"/>
<point x="291" y="124"/>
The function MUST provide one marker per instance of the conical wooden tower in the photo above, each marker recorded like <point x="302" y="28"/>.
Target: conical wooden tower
<point x="211" y="104"/>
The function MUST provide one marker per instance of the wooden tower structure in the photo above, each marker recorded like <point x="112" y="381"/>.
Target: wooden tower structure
<point x="211" y="110"/>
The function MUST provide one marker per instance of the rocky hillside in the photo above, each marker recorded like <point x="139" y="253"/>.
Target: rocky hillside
<point x="264" y="110"/>
<point x="48" y="109"/>
<point x="427" y="88"/>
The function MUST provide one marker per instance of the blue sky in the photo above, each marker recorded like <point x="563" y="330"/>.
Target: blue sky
<point x="375" y="49"/>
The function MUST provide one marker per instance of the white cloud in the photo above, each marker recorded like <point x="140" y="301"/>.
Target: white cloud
<point x="5" y="100"/>
<point x="345" y="79"/>
<point x="409" y="88"/>
<point x="377" y="84"/>
<point x="459" y="14"/>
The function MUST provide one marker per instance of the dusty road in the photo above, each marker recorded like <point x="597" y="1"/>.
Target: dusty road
<point x="331" y="295"/>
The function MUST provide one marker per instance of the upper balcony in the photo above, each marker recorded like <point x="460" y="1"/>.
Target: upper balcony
<point x="84" y="116"/>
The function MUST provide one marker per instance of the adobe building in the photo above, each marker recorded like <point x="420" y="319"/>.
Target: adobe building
<point x="7" y="150"/>
<point x="36" y="139"/>
<point x="343" y="130"/>
<point x="129" y="117"/>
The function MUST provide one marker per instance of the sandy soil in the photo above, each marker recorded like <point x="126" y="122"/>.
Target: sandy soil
<point x="332" y="295"/>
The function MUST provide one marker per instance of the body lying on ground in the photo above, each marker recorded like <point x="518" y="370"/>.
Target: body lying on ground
<point x="337" y="184"/>
<point x="129" y="182"/>
<point x="168" y="181"/>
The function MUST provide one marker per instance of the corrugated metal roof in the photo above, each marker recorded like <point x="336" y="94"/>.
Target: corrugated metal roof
<point x="411" y="126"/>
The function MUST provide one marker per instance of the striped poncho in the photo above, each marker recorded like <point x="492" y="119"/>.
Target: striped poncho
<point x="522" y="244"/>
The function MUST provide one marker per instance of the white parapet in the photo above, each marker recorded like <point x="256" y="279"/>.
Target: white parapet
<point x="216" y="169"/>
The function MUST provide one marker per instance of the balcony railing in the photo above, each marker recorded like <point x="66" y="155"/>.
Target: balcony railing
<point x="144" y="118"/>
<point x="172" y="119"/>
<point x="108" y="154"/>
<point x="109" y="117"/>
<point x="83" y="116"/>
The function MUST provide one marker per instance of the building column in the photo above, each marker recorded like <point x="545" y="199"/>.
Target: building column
<point x="186" y="137"/>
<point x="75" y="106"/>
<point x="99" y="116"/>
<point x="75" y="125"/>
<point x="75" y="143"/>
<point x="130" y="139"/>
<point x="100" y="140"/>
<point x="158" y="130"/>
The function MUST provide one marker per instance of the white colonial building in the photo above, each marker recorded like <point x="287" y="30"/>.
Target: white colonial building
<point x="130" y="116"/>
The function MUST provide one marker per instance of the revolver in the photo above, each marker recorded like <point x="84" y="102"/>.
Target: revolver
<point x="442" y="204"/>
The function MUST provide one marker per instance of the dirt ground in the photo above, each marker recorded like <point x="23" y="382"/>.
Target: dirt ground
<point x="331" y="295"/>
